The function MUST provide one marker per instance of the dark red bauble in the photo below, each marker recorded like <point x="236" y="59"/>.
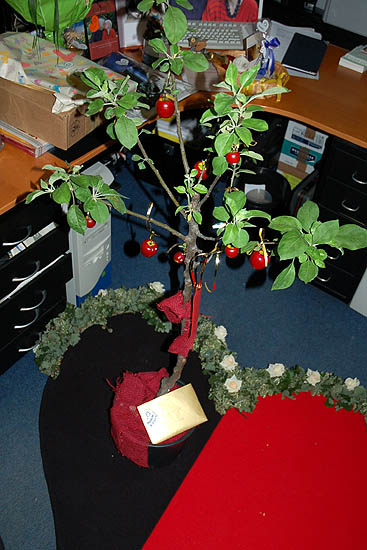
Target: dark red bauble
<point x="90" y="221"/>
<point x="258" y="260"/>
<point x="200" y="166"/>
<point x="148" y="248"/>
<point x="179" y="257"/>
<point x="233" y="157"/>
<point x="231" y="251"/>
<point x="165" y="107"/>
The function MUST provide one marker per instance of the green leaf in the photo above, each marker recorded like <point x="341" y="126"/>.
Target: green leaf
<point x="235" y="201"/>
<point x="231" y="75"/>
<point x="196" y="62"/>
<point x="145" y="5"/>
<point x="308" y="214"/>
<point x="307" y="271"/>
<point x="223" y="144"/>
<point x="31" y="196"/>
<point x="248" y="76"/>
<point x="235" y="236"/>
<point x="325" y="232"/>
<point x="219" y="165"/>
<point x="177" y="65"/>
<point x="126" y="132"/>
<point x="76" y="219"/>
<point x="158" y="45"/>
<point x="220" y="213"/>
<point x="83" y="180"/>
<point x="351" y="236"/>
<point x="291" y="245"/>
<point x="245" y="135"/>
<point x="95" y="75"/>
<point x="95" y="107"/>
<point x="110" y="131"/>
<point x="199" y="188"/>
<point x="223" y="103"/>
<point x="109" y="113"/>
<point x="285" y="278"/>
<point x="197" y="217"/>
<point x="62" y="194"/>
<point x="285" y="223"/>
<point x="82" y="194"/>
<point x="99" y="211"/>
<point x="116" y="201"/>
<point x="256" y="124"/>
<point x="179" y="209"/>
<point x="180" y="189"/>
<point x="174" y="25"/>
<point x="184" y="4"/>
<point x="257" y="214"/>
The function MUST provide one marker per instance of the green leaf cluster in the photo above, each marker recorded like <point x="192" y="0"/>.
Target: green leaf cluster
<point x="303" y="238"/>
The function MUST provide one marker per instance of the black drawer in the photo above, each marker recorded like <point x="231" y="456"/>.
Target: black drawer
<point x="344" y="201"/>
<point x="355" y="261"/>
<point x="337" y="282"/>
<point x="20" y="345"/>
<point x="32" y="260"/>
<point x="348" y="163"/>
<point x="29" y="304"/>
<point x="23" y="220"/>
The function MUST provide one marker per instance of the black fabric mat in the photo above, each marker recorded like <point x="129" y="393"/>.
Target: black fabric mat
<point x="100" y="500"/>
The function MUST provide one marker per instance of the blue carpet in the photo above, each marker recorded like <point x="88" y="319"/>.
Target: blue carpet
<point x="302" y="325"/>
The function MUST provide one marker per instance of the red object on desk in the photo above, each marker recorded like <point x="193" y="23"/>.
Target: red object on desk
<point x="290" y="475"/>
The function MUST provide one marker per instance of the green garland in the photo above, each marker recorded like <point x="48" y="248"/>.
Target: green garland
<point x="231" y="386"/>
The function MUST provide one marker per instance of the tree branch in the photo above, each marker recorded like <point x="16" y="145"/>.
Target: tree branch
<point x="210" y="191"/>
<point x="158" y="223"/>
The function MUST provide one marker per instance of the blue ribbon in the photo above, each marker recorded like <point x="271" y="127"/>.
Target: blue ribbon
<point x="268" y="62"/>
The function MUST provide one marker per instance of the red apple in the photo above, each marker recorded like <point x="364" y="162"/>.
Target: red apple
<point x="179" y="257"/>
<point x="258" y="260"/>
<point x="200" y="166"/>
<point x="148" y="248"/>
<point x="165" y="107"/>
<point x="233" y="157"/>
<point x="231" y="251"/>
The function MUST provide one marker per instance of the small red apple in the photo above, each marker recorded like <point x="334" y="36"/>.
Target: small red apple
<point x="90" y="221"/>
<point x="233" y="157"/>
<point x="165" y="107"/>
<point x="231" y="251"/>
<point x="179" y="257"/>
<point x="200" y="166"/>
<point x="258" y="260"/>
<point x="148" y="248"/>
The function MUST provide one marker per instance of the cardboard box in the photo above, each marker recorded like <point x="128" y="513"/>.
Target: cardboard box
<point x="302" y="148"/>
<point x="30" y="110"/>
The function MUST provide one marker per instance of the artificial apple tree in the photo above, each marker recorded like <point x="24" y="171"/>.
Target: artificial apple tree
<point x="231" y="117"/>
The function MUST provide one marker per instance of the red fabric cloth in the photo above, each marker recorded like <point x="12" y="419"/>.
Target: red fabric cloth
<point x="292" y="475"/>
<point x="127" y="428"/>
<point x="176" y="310"/>
<point x="216" y="11"/>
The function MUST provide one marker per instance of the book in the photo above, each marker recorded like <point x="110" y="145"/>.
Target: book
<point x="356" y="59"/>
<point x="304" y="54"/>
<point x="30" y="144"/>
<point x="345" y="62"/>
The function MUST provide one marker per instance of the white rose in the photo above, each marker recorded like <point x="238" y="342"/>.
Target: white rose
<point x="157" y="287"/>
<point x="228" y="363"/>
<point x="313" y="377"/>
<point x="275" y="369"/>
<point x="221" y="333"/>
<point x="351" y="383"/>
<point x="232" y="384"/>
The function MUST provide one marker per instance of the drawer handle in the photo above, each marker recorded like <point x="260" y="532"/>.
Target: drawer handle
<point x="29" y="231"/>
<point x="334" y="258"/>
<point x="350" y="208"/>
<point x="36" y="315"/>
<point x="19" y="279"/>
<point x="43" y="298"/>
<point x="324" y="280"/>
<point x="354" y="178"/>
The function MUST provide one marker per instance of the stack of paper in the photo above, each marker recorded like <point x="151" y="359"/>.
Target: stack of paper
<point x="30" y="144"/>
<point x="356" y="59"/>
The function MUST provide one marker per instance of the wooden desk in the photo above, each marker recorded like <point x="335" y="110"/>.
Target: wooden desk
<point x="335" y="104"/>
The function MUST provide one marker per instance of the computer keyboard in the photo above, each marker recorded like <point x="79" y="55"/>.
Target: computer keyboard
<point x="218" y="35"/>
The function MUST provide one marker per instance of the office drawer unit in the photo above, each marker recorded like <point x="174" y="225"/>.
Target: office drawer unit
<point x="35" y="265"/>
<point x="342" y="194"/>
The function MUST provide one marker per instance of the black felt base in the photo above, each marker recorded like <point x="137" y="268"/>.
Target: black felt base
<point x="101" y="500"/>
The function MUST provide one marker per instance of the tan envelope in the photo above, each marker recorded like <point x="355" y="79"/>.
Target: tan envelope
<point x="171" y="414"/>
